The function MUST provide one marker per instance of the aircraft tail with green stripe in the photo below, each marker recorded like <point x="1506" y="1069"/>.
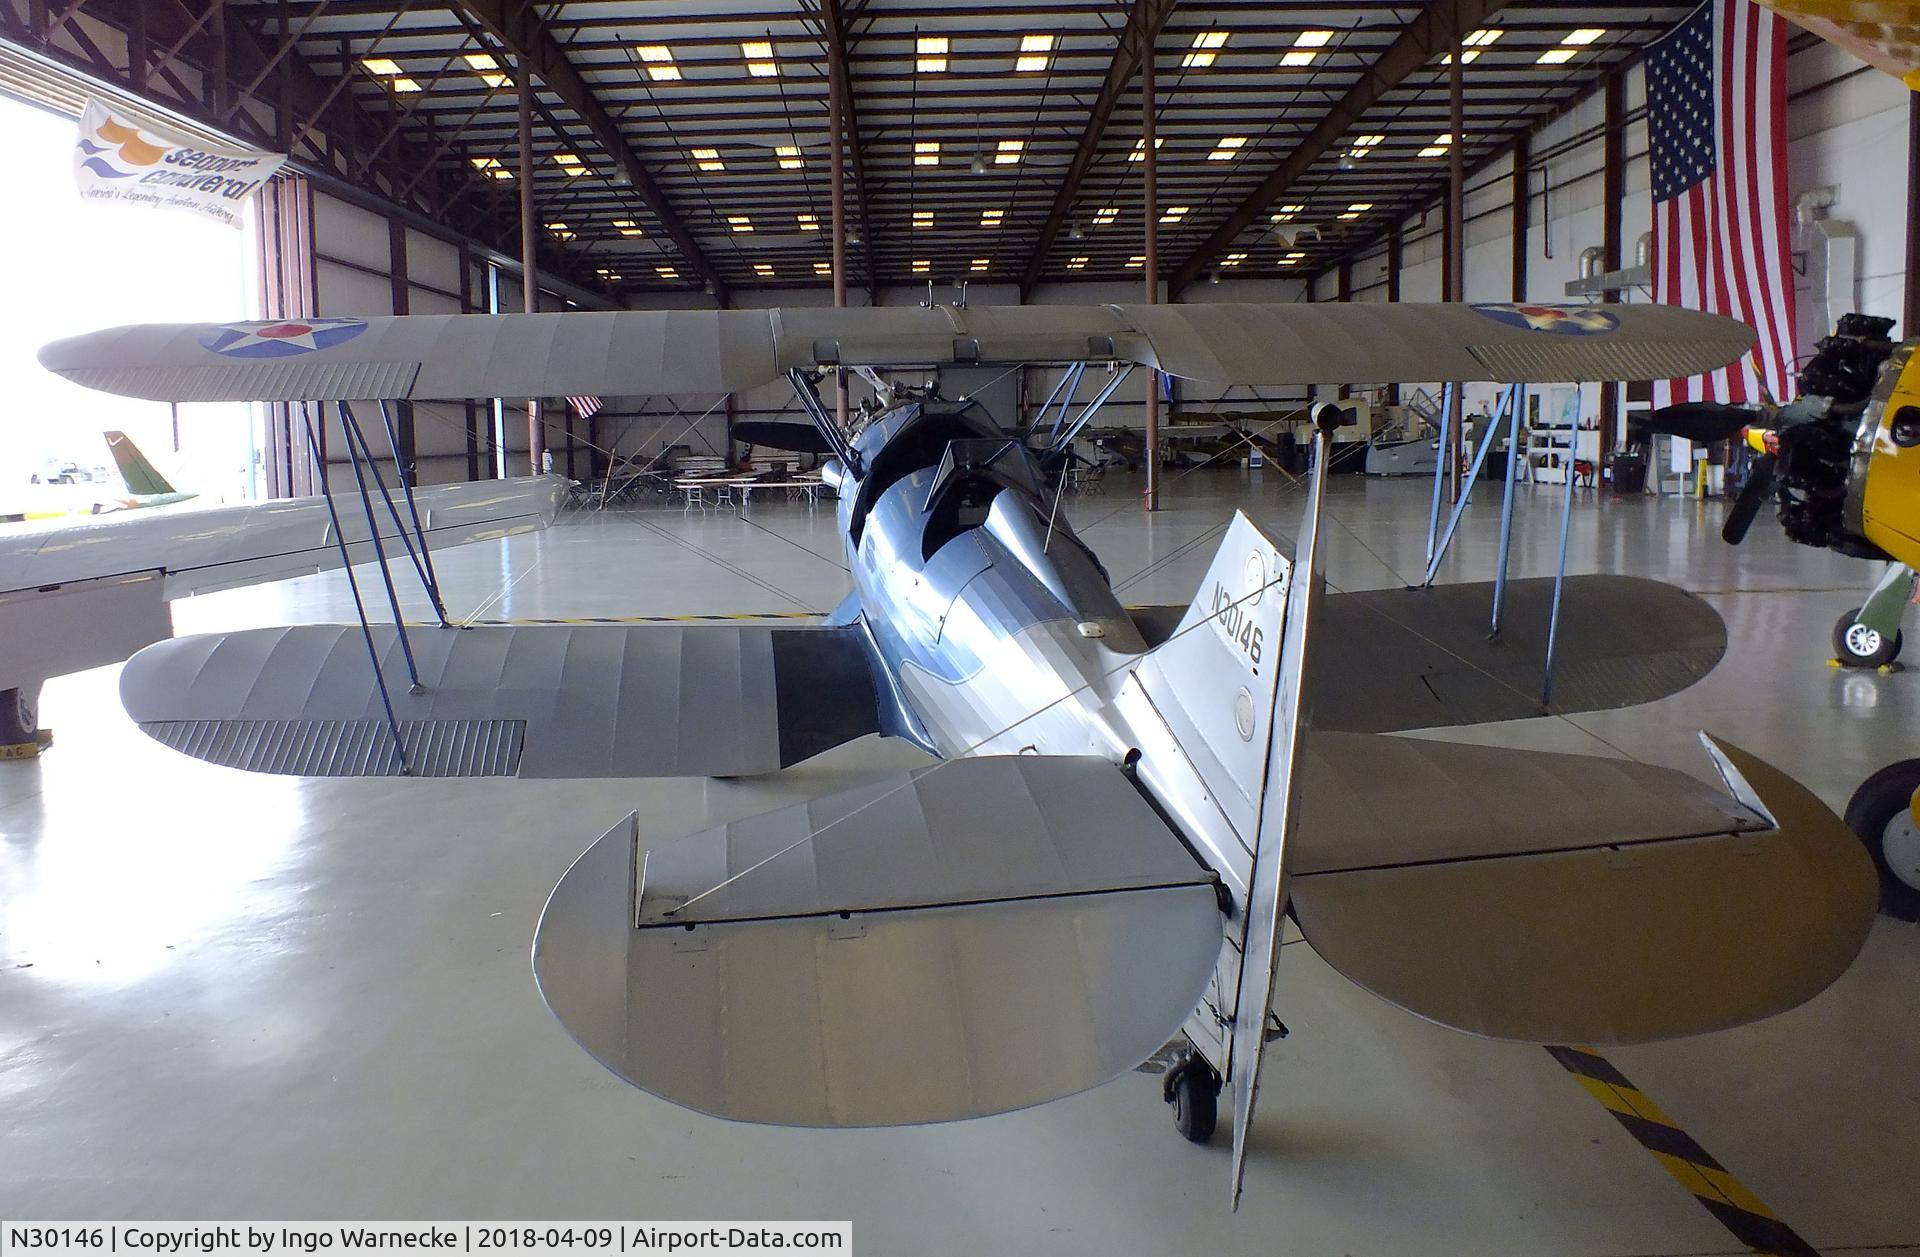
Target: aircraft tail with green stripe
<point x="144" y="481"/>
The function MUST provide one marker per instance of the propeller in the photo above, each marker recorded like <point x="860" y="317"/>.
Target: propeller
<point x="1752" y="495"/>
<point x="780" y="434"/>
<point x="1705" y="422"/>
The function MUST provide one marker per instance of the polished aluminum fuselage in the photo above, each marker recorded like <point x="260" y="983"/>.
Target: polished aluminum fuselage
<point x="1009" y="640"/>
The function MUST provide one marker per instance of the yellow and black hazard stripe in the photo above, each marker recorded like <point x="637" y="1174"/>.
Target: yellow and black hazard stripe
<point x="1723" y="1195"/>
<point x="663" y="619"/>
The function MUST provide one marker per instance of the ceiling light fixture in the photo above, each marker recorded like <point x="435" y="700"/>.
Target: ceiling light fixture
<point x="1036" y="54"/>
<point x="1306" y="46"/>
<point x="759" y="58"/>
<point x="1206" y="47"/>
<point x="658" y="59"/>
<point x="926" y="152"/>
<point x="931" y="53"/>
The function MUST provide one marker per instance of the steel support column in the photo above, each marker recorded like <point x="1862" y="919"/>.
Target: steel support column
<point x="1613" y="191"/>
<point x="405" y="442"/>
<point x="837" y="177"/>
<point x="1517" y="226"/>
<point x="1454" y="279"/>
<point x="1393" y="290"/>
<point x="529" y="229"/>
<point x="1910" y="315"/>
<point x="1149" y="201"/>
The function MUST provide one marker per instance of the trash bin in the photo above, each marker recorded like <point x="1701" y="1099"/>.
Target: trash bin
<point x="1630" y="473"/>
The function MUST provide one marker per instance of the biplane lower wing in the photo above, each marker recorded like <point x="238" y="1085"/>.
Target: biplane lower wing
<point x="1394" y="659"/>
<point x="1568" y="899"/>
<point x="545" y="700"/>
<point x="973" y="938"/>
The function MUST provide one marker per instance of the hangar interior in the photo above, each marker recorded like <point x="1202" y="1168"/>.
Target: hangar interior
<point x="225" y="994"/>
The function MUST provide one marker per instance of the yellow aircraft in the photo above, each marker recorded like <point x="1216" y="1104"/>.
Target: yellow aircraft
<point x="1842" y="461"/>
<point x="1883" y="33"/>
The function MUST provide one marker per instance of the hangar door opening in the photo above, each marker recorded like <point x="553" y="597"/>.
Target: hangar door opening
<point x="77" y="266"/>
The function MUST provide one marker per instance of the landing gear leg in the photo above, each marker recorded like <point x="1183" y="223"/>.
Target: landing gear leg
<point x="1192" y="1086"/>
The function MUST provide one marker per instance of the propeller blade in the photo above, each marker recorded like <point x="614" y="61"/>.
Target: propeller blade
<point x="780" y="434"/>
<point x="1701" y="421"/>
<point x="1747" y="505"/>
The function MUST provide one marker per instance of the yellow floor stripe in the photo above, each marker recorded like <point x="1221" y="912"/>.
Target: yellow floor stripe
<point x="1724" y="1196"/>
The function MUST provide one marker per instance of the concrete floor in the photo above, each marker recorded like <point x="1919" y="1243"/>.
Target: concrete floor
<point x="224" y="995"/>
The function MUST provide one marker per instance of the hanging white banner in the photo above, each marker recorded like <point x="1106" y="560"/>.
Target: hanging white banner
<point x="143" y="163"/>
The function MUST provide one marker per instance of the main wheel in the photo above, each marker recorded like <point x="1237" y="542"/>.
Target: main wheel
<point x="1193" y="1089"/>
<point x="1881" y="812"/>
<point x="19" y="715"/>
<point x="1857" y="646"/>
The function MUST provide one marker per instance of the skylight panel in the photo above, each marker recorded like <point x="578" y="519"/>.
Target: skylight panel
<point x="1173" y="214"/>
<point x="1228" y="148"/>
<point x="808" y="222"/>
<point x="1439" y="147"/>
<point x="708" y="159"/>
<point x="921" y="266"/>
<point x="930" y="54"/>
<point x="740" y="224"/>
<point x="922" y="220"/>
<point x="1077" y="264"/>
<point x="763" y="269"/>
<point x="789" y="157"/>
<point x="1104" y="216"/>
<point x="1139" y="152"/>
<point x="1007" y="152"/>
<point x="926" y="152"/>
<point x="992" y="217"/>
<point x="627" y="227"/>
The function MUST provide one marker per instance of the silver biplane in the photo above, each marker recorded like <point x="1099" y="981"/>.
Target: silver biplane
<point x="1128" y="802"/>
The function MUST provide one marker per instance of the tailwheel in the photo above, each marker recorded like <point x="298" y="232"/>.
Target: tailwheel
<point x="1857" y="646"/>
<point x="1192" y="1087"/>
<point x="1881" y="813"/>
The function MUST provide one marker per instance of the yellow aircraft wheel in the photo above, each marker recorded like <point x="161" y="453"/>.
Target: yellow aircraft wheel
<point x="1857" y="646"/>
<point x="1882" y="814"/>
<point x="19" y="715"/>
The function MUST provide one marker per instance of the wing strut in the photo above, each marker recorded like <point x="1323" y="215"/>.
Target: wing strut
<point x="353" y="583"/>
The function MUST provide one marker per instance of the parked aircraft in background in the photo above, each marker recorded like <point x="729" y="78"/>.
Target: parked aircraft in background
<point x="1841" y="463"/>
<point x="92" y="592"/>
<point x="1126" y="803"/>
<point x="145" y="487"/>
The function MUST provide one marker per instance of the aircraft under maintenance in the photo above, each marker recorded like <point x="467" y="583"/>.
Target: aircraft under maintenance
<point x="1126" y="803"/>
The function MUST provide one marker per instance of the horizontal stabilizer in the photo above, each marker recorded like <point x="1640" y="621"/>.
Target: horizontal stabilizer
<point x="631" y="352"/>
<point x="1389" y="659"/>
<point x="1567" y="899"/>
<point x="969" y="939"/>
<point x="543" y="700"/>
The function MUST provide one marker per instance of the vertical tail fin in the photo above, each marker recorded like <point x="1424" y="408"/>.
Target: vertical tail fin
<point x="1230" y="683"/>
<point x="141" y="477"/>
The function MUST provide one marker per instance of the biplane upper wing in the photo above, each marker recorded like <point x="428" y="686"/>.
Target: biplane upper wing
<point x="977" y="937"/>
<point x="721" y="351"/>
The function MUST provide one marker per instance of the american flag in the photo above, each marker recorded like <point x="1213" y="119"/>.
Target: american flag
<point x="585" y="407"/>
<point x="1716" y="117"/>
